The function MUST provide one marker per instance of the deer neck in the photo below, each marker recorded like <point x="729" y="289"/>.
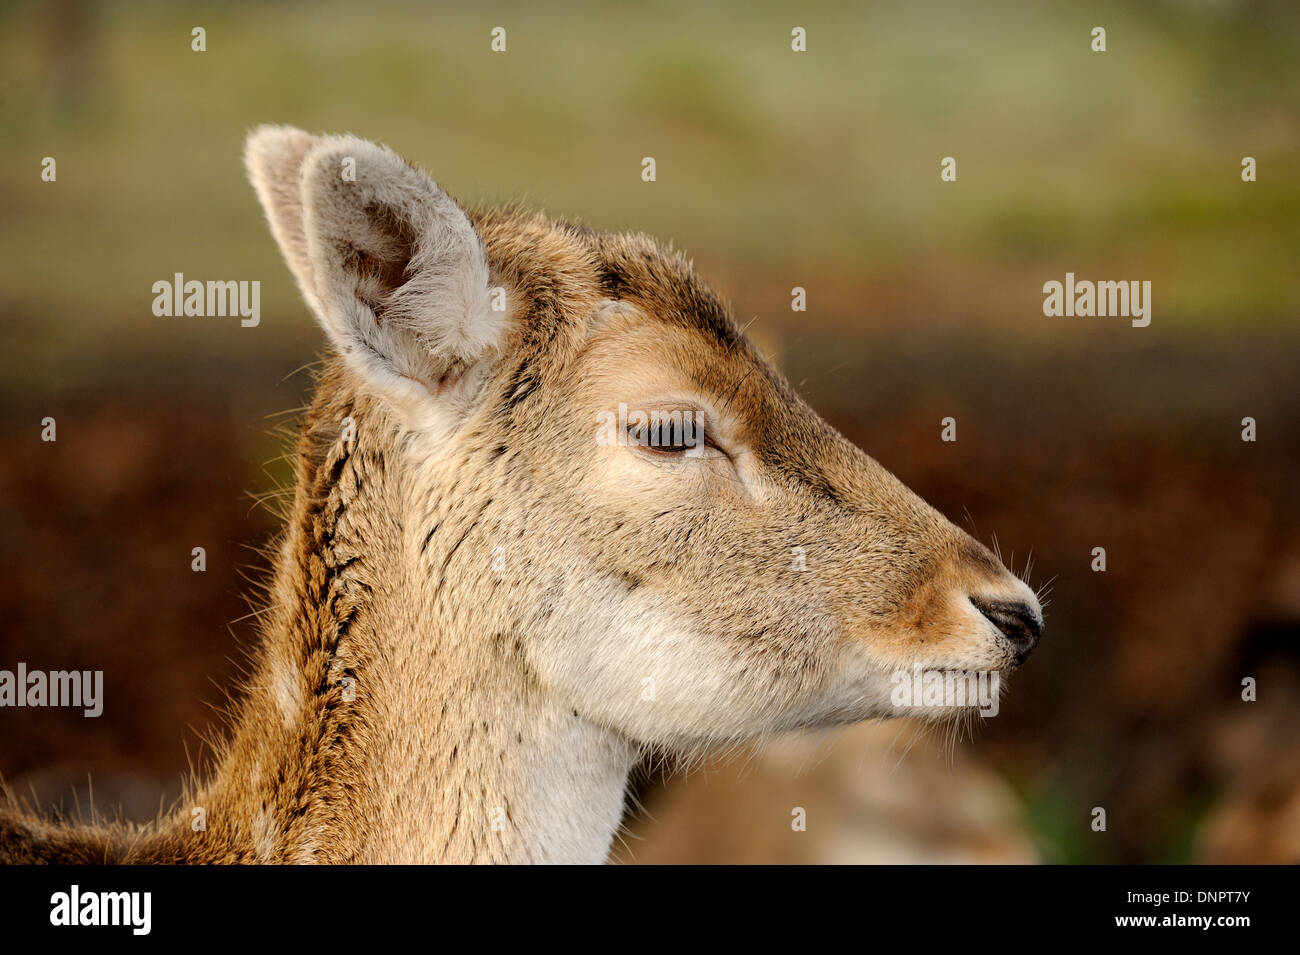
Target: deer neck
<point x="384" y="721"/>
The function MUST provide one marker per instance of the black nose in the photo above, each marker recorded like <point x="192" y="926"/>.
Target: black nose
<point x="1018" y="623"/>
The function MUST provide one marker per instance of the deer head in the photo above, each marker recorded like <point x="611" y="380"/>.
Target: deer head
<point x="598" y="471"/>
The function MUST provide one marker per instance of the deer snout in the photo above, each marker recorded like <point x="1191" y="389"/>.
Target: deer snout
<point x="1020" y="621"/>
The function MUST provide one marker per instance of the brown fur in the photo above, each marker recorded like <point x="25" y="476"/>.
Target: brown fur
<point x="497" y="709"/>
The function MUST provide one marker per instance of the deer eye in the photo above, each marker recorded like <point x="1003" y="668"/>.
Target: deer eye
<point x="670" y="449"/>
<point x="671" y="434"/>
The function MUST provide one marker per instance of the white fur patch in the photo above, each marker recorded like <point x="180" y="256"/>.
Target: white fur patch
<point x="641" y="667"/>
<point x="264" y="836"/>
<point x="287" y="691"/>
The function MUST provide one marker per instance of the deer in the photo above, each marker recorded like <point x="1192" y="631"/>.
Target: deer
<point x="481" y="616"/>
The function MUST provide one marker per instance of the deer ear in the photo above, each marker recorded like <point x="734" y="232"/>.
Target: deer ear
<point x="273" y="156"/>
<point x="390" y="264"/>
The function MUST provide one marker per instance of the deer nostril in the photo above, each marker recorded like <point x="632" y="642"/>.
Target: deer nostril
<point x="1017" y="621"/>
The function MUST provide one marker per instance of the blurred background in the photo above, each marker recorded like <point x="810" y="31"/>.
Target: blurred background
<point x="775" y="169"/>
